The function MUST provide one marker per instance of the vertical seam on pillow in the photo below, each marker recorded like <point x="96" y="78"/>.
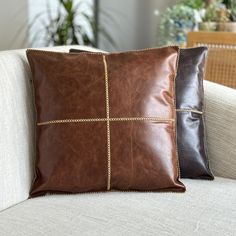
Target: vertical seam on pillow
<point x="175" y="115"/>
<point x="189" y="110"/>
<point x="108" y="125"/>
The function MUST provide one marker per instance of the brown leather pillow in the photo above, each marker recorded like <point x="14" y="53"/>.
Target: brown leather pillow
<point x="105" y="121"/>
<point x="191" y="143"/>
<point x="190" y="108"/>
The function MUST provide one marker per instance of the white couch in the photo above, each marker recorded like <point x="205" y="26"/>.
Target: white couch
<point x="207" y="208"/>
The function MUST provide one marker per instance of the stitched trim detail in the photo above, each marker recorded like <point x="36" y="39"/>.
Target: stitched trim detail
<point x="155" y="119"/>
<point x="100" y="52"/>
<point x="189" y="110"/>
<point x="174" y="110"/>
<point x="108" y="126"/>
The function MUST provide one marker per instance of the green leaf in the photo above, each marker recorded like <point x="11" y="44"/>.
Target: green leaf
<point x="64" y="28"/>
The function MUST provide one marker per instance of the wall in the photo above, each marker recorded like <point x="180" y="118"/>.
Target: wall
<point x="17" y="22"/>
<point x="13" y="24"/>
<point x="132" y="24"/>
<point x="37" y="37"/>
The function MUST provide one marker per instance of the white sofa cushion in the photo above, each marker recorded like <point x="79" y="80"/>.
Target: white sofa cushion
<point x="16" y="128"/>
<point x="207" y="208"/>
<point x="221" y="129"/>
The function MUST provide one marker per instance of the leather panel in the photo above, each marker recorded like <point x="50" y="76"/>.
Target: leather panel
<point x="145" y="156"/>
<point x="190" y="126"/>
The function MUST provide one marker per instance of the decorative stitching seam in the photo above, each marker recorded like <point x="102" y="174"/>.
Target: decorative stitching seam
<point x="102" y="53"/>
<point x="156" y="119"/>
<point x="108" y="126"/>
<point x="175" y="116"/>
<point x="189" y="110"/>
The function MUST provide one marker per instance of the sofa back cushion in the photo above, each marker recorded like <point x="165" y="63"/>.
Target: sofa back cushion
<point x="16" y="126"/>
<point x="220" y="116"/>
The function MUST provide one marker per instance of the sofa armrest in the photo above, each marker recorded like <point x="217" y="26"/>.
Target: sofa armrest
<point x="220" y="117"/>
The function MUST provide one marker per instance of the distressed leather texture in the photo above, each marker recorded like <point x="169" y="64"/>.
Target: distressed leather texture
<point x="191" y="143"/>
<point x="72" y="157"/>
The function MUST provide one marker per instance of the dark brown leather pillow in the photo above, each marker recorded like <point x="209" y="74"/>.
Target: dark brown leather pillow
<point x="105" y="121"/>
<point x="191" y="143"/>
<point x="190" y="108"/>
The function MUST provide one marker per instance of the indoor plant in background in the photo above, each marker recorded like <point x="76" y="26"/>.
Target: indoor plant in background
<point x="70" y="25"/>
<point x="231" y="24"/>
<point x="210" y="17"/>
<point x="176" y="22"/>
<point x="188" y="15"/>
<point x="219" y="16"/>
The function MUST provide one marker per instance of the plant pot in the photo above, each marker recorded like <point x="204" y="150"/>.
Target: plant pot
<point x="207" y="26"/>
<point x="227" y="26"/>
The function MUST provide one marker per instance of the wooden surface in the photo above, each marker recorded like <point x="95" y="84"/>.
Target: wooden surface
<point x="221" y="61"/>
<point x="220" y="38"/>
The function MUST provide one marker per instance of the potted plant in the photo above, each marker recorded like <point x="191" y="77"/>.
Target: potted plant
<point x="207" y="15"/>
<point x="176" y="22"/>
<point x="210" y="17"/>
<point x="68" y="25"/>
<point x="230" y="25"/>
<point x="219" y="16"/>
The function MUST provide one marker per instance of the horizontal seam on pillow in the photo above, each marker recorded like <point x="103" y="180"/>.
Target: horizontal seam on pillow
<point x="189" y="110"/>
<point x="157" y="119"/>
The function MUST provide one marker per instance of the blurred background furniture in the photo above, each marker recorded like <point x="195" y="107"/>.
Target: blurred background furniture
<point x="221" y="62"/>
